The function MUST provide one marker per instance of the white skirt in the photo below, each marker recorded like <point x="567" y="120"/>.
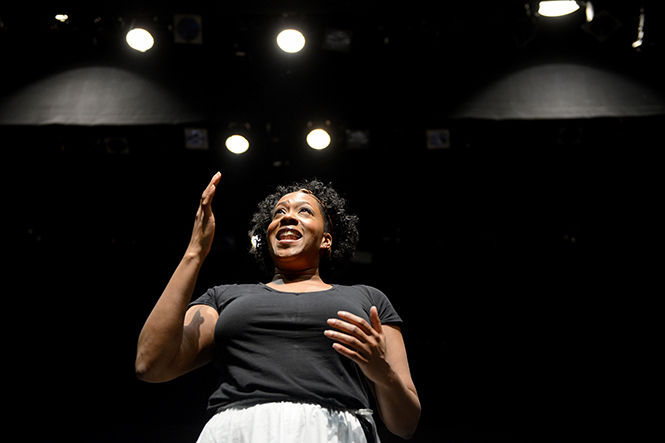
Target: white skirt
<point x="282" y="422"/>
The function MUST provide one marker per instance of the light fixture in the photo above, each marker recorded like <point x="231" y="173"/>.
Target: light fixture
<point x="590" y="12"/>
<point x="338" y="40"/>
<point x="318" y="139"/>
<point x="557" y="8"/>
<point x="140" y="39"/>
<point x="61" y="17"/>
<point x="290" y="41"/>
<point x="237" y="144"/>
<point x="196" y="138"/>
<point x="357" y="138"/>
<point x="187" y="29"/>
<point x="438" y="138"/>
<point x="640" y="31"/>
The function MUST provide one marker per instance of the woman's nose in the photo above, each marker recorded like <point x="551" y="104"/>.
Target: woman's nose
<point x="288" y="219"/>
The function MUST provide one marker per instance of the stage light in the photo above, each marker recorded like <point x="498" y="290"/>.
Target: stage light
<point x="318" y="139"/>
<point x="590" y="12"/>
<point x="557" y="8"/>
<point x="237" y="144"/>
<point x="640" y="32"/>
<point x="140" y="39"/>
<point x="291" y="41"/>
<point x="61" y="17"/>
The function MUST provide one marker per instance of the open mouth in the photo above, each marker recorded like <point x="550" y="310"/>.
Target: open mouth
<point x="288" y="234"/>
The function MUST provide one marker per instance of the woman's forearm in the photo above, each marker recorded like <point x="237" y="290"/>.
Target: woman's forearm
<point x="398" y="405"/>
<point x="161" y="336"/>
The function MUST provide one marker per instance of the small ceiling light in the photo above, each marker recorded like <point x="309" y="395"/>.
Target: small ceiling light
<point x="557" y="8"/>
<point x="237" y="144"/>
<point x="640" y="31"/>
<point x="291" y="41"/>
<point x="140" y="39"/>
<point x="590" y="13"/>
<point x="61" y="17"/>
<point x="318" y="139"/>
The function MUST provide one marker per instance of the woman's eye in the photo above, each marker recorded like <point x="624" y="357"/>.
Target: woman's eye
<point x="307" y="210"/>
<point x="278" y="212"/>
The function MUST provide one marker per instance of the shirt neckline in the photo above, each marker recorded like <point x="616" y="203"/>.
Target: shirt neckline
<point x="332" y="288"/>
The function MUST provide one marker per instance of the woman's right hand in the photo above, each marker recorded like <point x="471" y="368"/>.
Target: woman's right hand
<point x="204" y="223"/>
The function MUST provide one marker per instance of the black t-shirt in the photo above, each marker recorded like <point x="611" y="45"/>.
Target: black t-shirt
<point x="270" y="346"/>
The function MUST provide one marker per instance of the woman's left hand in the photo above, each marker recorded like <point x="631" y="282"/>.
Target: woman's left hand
<point x="362" y="342"/>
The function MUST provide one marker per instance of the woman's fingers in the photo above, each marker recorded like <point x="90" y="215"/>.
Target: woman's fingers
<point x="204" y="222"/>
<point x="353" y="355"/>
<point x="374" y="318"/>
<point x="355" y="331"/>
<point x="346" y="339"/>
<point x="361" y="341"/>
<point x="209" y="192"/>
<point x="359" y="323"/>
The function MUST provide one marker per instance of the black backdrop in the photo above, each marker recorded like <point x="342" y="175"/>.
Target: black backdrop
<point x="520" y="272"/>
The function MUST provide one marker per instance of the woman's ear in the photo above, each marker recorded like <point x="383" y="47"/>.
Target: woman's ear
<point x="326" y="242"/>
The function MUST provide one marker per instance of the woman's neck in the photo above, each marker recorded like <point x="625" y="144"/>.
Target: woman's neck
<point x="303" y="278"/>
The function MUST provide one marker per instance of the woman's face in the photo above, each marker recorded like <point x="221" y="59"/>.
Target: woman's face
<point x="296" y="234"/>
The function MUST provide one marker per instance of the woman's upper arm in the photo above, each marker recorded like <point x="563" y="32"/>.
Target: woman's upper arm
<point x="197" y="344"/>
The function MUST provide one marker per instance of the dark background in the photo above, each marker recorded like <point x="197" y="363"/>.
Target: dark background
<point x="521" y="257"/>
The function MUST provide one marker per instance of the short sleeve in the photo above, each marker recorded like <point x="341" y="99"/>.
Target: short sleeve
<point x="210" y="298"/>
<point x="387" y="313"/>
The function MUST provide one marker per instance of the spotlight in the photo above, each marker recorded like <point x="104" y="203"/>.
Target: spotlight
<point x="237" y="144"/>
<point x="62" y="17"/>
<point x="318" y="139"/>
<point x="291" y="41"/>
<point x="557" y="8"/>
<point x="590" y="12"/>
<point x="640" y="32"/>
<point x="140" y="39"/>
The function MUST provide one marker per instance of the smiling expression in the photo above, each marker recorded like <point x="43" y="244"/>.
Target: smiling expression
<point x="296" y="233"/>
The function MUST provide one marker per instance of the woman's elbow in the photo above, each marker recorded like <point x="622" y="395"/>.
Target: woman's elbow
<point x="408" y="432"/>
<point x="405" y="432"/>
<point x="148" y="373"/>
<point x="142" y="371"/>
<point x="407" y="427"/>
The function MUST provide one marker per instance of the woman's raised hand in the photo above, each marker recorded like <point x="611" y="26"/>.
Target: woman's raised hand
<point x="204" y="224"/>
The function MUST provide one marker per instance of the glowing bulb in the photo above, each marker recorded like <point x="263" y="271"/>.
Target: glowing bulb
<point x="557" y="8"/>
<point x="140" y="39"/>
<point x="61" y="17"/>
<point x="318" y="139"/>
<point x="237" y="144"/>
<point x="640" y="32"/>
<point x="290" y="40"/>
<point x="590" y="14"/>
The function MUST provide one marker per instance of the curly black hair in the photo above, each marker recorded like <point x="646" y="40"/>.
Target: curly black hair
<point x="344" y="229"/>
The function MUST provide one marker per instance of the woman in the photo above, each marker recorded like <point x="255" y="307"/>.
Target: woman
<point x="282" y="381"/>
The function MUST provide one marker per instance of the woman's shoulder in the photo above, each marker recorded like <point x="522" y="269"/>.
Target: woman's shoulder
<point x="234" y="289"/>
<point x="358" y="287"/>
<point x="366" y="290"/>
<point x="373" y="297"/>
<point x="218" y="296"/>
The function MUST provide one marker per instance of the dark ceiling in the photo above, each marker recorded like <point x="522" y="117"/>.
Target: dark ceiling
<point x="402" y="64"/>
<point x="516" y="256"/>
